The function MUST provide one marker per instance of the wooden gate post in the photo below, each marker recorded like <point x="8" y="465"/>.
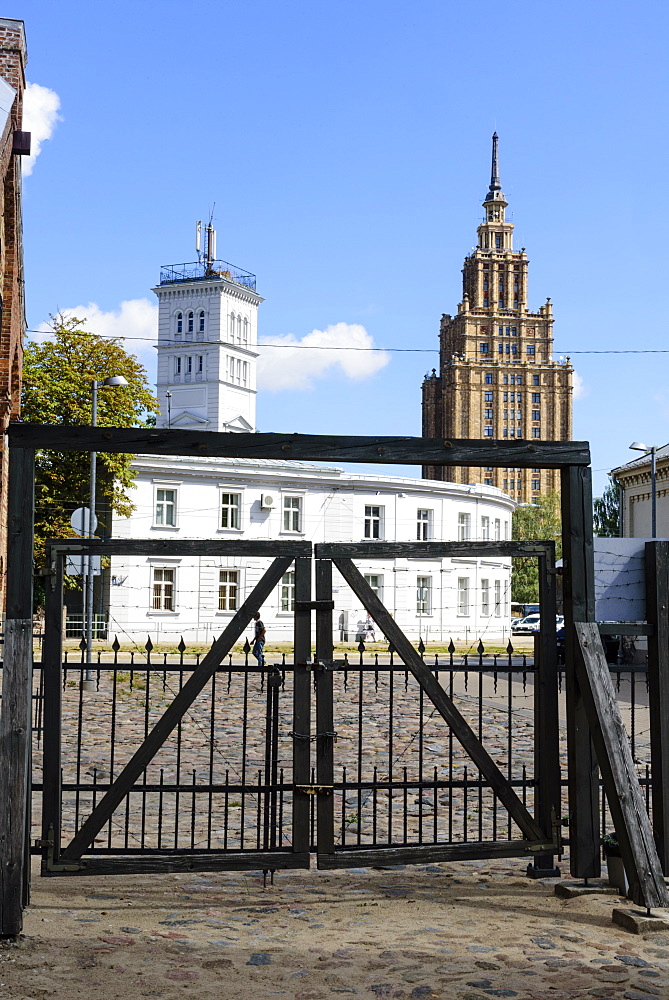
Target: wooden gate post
<point x="302" y="707"/>
<point x="579" y="606"/>
<point x="657" y="614"/>
<point x="548" y="789"/>
<point x="324" y="708"/>
<point x="15" y="721"/>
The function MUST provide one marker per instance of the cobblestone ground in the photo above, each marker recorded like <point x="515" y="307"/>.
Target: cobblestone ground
<point x="465" y="931"/>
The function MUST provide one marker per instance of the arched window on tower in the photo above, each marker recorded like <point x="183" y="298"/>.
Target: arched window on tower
<point x="180" y="323"/>
<point x="231" y="336"/>
<point x="191" y="321"/>
<point x="239" y="329"/>
<point x="200" y="321"/>
<point x="246" y="333"/>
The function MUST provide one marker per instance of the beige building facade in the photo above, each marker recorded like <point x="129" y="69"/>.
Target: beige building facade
<point x="497" y="378"/>
<point x="634" y="479"/>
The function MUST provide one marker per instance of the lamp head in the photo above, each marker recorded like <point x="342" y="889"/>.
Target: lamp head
<point x="115" y="381"/>
<point x="637" y="446"/>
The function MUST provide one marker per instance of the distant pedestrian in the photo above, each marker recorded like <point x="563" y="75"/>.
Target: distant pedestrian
<point x="259" y="640"/>
<point x="369" y="629"/>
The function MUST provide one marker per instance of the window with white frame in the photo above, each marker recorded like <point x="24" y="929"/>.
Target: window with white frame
<point x="200" y="321"/>
<point x="231" y="332"/>
<point x="191" y="321"/>
<point x="498" y="529"/>
<point x="228" y="587"/>
<point x="246" y="332"/>
<point x="463" y="595"/>
<point x="506" y="531"/>
<point x="239" y="329"/>
<point x="245" y="372"/>
<point x="423" y="525"/>
<point x="177" y="367"/>
<point x="288" y="591"/>
<point x="506" y="599"/>
<point x="189" y="365"/>
<point x="292" y="513"/>
<point x="166" y="507"/>
<point x="375" y="582"/>
<point x="200" y="363"/>
<point x="464" y="527"/>
<point x="424" y="595"/>
<point x="373" y="521"/>
<point x="230" y="505"/>
<point x="162" y="589"/>
<point x="485" y="528"/>
<point x="485" y="597"/>
<point x="180" y="323"/>
<point x="498" y="598"/>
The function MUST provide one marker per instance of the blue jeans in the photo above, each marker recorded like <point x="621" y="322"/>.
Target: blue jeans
<point x="258" y="651"/>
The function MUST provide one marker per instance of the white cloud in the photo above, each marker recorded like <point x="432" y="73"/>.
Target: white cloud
<point x="135" y="323"/>
<point x="580" y="388"/>
<point x="40" y="117"/>
<point x="341" y="348"/>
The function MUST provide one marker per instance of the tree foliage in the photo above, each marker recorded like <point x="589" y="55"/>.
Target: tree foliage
<point x="606" y="511"/>
<point x="57" y="389"/>
<point x="537" y="521"/>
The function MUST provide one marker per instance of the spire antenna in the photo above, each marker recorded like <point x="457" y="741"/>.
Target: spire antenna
<point x="494" y="173"/>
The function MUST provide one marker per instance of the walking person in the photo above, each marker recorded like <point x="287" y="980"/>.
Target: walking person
<point x="370" y="629"/>
<point x="259" y="640"/>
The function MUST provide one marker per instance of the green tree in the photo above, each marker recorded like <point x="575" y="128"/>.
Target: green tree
<point x="606" y="511"/>
<point x="57" y="377"/>
<point x="537" y="521"/>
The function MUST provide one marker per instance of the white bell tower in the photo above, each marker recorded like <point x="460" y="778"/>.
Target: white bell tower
<point x="207" y="340"/>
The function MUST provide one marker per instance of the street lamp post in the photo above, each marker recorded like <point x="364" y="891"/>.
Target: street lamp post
<point x="114" y="381"/>
<point x="637" y="446"/>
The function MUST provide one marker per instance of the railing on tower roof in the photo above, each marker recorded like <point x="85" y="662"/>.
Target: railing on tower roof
<point x="203" y="270"/>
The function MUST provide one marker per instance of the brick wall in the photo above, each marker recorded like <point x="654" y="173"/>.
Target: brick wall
<point x="13" y="58"/>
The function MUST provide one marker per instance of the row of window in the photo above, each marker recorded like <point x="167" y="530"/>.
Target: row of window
<point x="508" y="349"/>
<point x="191" y="364"/>
<point x="236" y="371"/>
<point x="511" y="397"/>
<point x="194" y="321"/>
<point x="190" y="322"/>
<point x="292" y="510"/>
<point x="510" y="379"/>
<point x="511" y="432"/>
<point x="164" y="597"/>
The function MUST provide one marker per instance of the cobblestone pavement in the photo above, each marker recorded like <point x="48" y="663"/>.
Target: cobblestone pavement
<point x="465" y="931"/>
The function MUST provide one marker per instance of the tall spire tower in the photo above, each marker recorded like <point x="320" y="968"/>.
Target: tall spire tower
<point x="207" y="338"/>
<point x="497" y="377"/>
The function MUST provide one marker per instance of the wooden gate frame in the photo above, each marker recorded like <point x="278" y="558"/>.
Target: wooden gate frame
<point x="584" y="711"/>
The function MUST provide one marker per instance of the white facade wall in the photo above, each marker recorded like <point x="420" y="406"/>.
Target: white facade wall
<point x="330" y="505"/>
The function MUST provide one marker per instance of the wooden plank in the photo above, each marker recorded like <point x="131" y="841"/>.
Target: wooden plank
<point x="16" y="720"/>
<point x="621" y="784"/>
<point x="183" y="547"/>
<point x="428" y="550"/>
<point x="435" y="692"/>
<point x="174" y="712"/>
<point x="548" y="789"/>
<point x="149" y="864"/>
<point x="657" y="612"/>
<point x="426" y="854"/>
<point x="302" y="709"/>
<point x="52" y="674"/>
<point x="579" y="605"/>
<point x="324" y="709"/>
<point x="301" y="447"/>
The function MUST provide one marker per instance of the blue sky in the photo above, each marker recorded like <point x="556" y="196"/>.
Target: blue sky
<point x="346" y="147"/>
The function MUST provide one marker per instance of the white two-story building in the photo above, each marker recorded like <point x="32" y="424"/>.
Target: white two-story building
<point x="206" y="379"/>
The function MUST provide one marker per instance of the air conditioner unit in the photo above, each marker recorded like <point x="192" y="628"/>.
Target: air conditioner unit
<point x="267" y="501"/>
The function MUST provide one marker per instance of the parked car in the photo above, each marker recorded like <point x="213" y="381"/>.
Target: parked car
<point x="527" y="626"/>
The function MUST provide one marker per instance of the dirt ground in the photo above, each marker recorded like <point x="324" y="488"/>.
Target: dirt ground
<point x="467" y="931"/>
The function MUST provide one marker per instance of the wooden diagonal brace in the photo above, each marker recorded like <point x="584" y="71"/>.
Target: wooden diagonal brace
<point x="184" y="699"/>
<point x="621" y="784"/>
<point x="435" y="692"/>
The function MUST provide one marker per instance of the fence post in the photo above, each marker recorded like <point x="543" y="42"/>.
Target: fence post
<point x="657" y="614"/>
<point x="548" y="789"/>
<point x="302" y="708"/>
<point x="52" y="660"/>
<point x="324" y="709"/>
<point x="579" y="606"/>
<point x="16" y="721"/>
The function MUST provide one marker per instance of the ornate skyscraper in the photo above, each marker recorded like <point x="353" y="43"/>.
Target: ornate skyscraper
<point x="497" y="377"/>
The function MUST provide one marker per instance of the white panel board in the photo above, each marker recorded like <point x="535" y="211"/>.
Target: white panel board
<point x="620" y="579"/>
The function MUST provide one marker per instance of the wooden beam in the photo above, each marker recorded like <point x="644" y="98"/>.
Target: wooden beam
<point x="426" y="853"/>
<point x="204" y="861"/>
<point x="15" y="720"/>
<point x="301" y="447"/>
<point x="183" y="547"/>
<point x="430" y="550"/>
<point x="657" y="612"/>
<point x="435" y="692"/>
<point x="579" y="605"/>
<point x="621" y="783"/>
<point x="175" y="710"/>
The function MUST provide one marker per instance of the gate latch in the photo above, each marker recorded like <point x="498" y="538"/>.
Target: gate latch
<point x="55" y="866"/>
<point x="315" y="789"/>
